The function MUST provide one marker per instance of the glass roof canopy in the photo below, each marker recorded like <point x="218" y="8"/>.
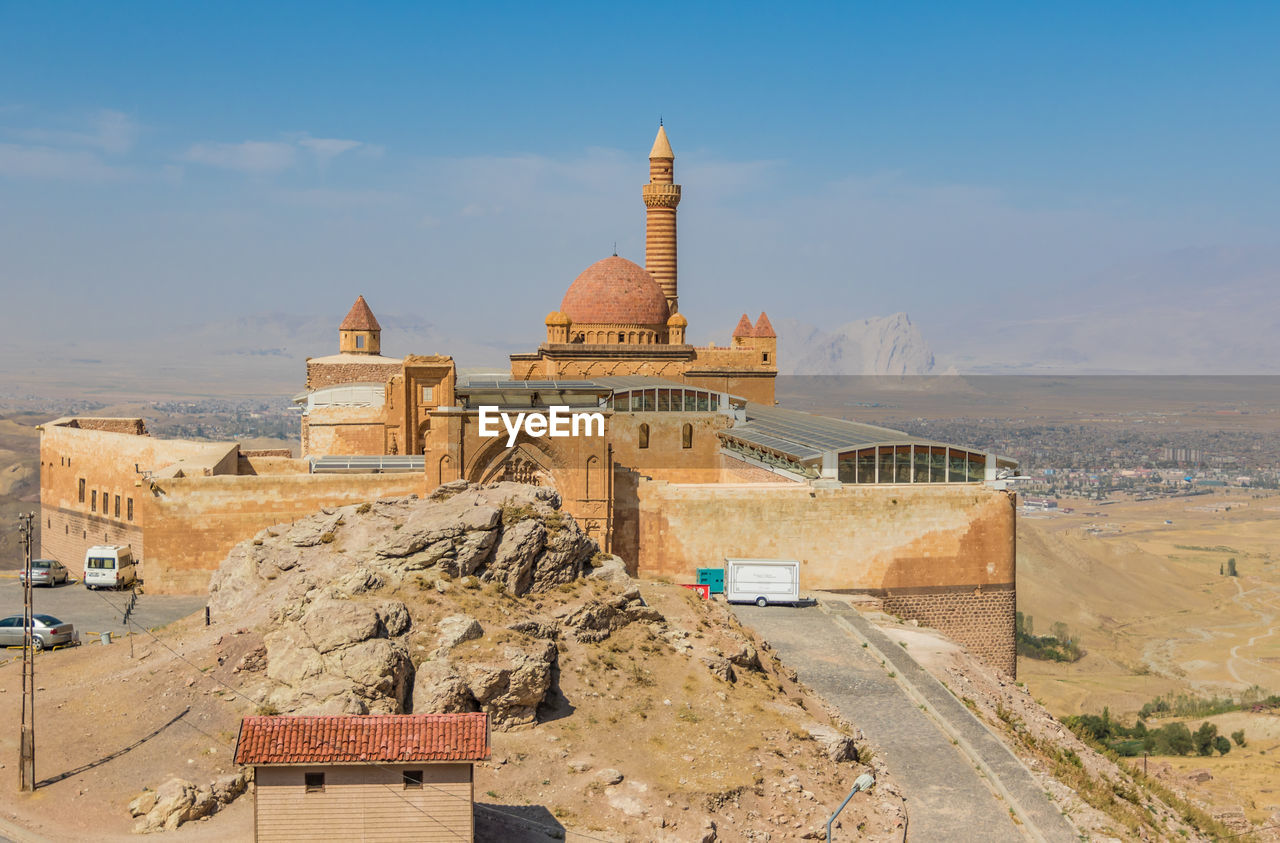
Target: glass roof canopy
<point x="483" y="392"/>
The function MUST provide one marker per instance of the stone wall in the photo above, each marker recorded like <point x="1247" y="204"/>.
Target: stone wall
<point x="323" y="373"/>
<point x="734" y="470"/>
<point x="193" y="522"/>
<point x="346" y="431"/>
<point x="915" y="544"/>
<point x="66" y="534"/>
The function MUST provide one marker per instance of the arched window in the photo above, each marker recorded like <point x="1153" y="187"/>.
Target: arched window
<point x="644" y="436"/>
<point x="686" y="436"/>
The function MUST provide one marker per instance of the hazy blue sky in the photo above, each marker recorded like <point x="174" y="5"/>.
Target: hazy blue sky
<point x="169" y="163"/>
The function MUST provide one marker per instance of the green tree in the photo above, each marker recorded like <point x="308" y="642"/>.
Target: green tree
<point x="1238" y="737"/>
<point x="1172" y="739"/>
<point x="1222" y="745"/>
<point x="1204" y="738"/>
<point x="1231" y="567"/>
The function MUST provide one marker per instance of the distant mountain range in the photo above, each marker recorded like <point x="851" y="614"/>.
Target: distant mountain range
<point x="884" y="345"/>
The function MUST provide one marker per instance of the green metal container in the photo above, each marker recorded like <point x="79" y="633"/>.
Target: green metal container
<point x="713" y="577"/>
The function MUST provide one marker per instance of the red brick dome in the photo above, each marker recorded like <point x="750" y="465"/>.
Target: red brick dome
<point x="615" y="291"/>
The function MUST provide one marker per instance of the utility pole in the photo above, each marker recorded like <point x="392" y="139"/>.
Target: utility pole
<point x="27" y="748"/>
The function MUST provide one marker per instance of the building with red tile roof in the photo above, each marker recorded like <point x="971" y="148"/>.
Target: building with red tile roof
<point x="364" y="777"/>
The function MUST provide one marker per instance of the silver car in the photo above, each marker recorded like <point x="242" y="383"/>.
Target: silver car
<point x="46" y="631"/>
<point x="48" y="572"/>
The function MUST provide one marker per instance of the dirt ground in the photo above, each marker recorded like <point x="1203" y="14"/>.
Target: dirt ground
<point x="690" y="746"/>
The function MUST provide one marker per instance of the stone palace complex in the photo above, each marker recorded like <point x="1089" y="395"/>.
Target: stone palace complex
<point x="692" y="463"/>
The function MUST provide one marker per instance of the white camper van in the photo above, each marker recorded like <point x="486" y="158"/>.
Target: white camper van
<point x="762" y="581"/>
<point x="109" y="566"/>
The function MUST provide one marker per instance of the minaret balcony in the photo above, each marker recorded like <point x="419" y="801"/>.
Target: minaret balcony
<point x="661" y="195"/>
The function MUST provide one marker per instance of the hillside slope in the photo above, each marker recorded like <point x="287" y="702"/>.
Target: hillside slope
<point x="628" y="711"/>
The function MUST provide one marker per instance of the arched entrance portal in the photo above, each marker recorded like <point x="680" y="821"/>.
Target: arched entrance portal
<point x="523" y="463"/>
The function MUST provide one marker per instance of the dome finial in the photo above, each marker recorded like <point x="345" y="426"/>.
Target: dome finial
<point x="615" y="248"/>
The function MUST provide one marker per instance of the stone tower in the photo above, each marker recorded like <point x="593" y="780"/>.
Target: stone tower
<point x="661" y="196"/>
<point x="360" y="332"/>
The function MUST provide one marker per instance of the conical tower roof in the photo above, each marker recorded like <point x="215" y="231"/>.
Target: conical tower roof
<point x="661" y="146"/>
<point x="764" y="328"/>
<point x="744" y="328"/>
<point x="360" y="318"/>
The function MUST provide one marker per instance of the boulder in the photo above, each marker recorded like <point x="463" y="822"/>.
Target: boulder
<point x="597" y="620"/>
<point x="720" y="668"/>
<point x="746" y="658"/>
<point x="511" y="688"/>
<point x="457" y="628"/>
<point x="179" y="801"/>
<point x="836" y="745"/>
<point x="394" y="617"/>
<point x="438" y="689"/>
<point x="612" y="570"/>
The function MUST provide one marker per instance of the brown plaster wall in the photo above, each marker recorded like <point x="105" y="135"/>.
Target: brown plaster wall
<point x="192" y="523"/>
<point x="909" y="543"/>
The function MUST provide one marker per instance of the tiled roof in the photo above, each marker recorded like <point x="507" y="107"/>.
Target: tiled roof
<point x="615" y="291"/>
<point x="360" y="318"/>
<point x="347" y="739"/>
<point x="744" y="328"/>
<point x="764" y="328"/>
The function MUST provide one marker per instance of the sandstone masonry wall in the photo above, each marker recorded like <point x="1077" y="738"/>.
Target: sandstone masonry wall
<point x="982" y="619"/>
<point x="193" y="522"/>
<point x="943" y="553"/>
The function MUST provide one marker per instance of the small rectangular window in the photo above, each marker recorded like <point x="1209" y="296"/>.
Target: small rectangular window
<point x="81" y="484"/>
<point x="117" y="510"/>
<point x="314" y="782"/>
<point x="93" y="501"/>
<point x="359" y="341"/>
<point x="412" y="779"/>
<point x="129" y="509"/>
<point x="428" y="394"/>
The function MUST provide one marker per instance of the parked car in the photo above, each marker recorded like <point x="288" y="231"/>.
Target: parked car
<point x="48" y="572"/>
<point x="46" y="631"/>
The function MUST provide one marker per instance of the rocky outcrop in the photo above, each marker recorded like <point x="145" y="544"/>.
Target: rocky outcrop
<point x="509" y="684"/>
<point x="337" y="659"/>
<point x="505" y="533"/>
<point x="597" y="620"/>
<point x="332" y="646"/>
<point x="179" y="801"/>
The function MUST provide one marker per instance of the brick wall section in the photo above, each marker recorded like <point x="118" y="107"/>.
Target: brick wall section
<point x="980" y="619"/>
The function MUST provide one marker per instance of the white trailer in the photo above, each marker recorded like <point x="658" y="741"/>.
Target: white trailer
<point x="762" y="581"/>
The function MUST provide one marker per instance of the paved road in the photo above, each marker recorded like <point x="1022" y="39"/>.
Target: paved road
<point x="948" y="797"/>
<point x="96" y="611"/>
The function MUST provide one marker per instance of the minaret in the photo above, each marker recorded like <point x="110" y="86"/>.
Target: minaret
<point x="661" y="196"/>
